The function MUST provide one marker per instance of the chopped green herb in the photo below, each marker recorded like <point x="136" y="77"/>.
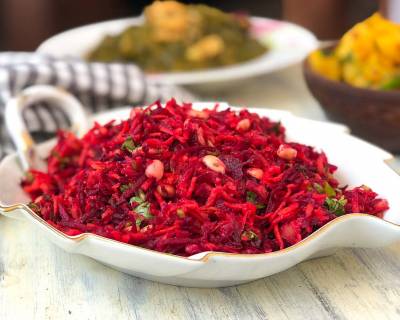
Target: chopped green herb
<point x="129" y="145"/>
<point x="251" y="197"/>
<point x="124" y="187"/>
<point x="144" y="210"/>
<point x="329" y="191"/>
<point x="276" y="128"/>
<point x="138" y="223"/>
<point x="249" y="235"/>
<point x="336" y="206"/>
<point x="135" y="199"/>
<point x="318" y="188"/>
<point x="34" y="207"/>
<point x="143" y="206"/>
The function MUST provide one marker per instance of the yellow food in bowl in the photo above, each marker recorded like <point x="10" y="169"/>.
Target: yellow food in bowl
<point x="367" y="56"/>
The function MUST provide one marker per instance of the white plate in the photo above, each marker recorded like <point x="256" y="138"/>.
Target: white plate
<point x="359" y="163"/>
<point x="288" y="43"/>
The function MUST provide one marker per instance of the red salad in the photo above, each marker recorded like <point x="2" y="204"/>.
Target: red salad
<point x="183" y="181"/>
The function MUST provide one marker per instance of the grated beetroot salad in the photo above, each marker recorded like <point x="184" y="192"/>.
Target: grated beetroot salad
<point x="182" y="181"/>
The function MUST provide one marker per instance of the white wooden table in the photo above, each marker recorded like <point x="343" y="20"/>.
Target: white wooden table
<point x="40" y="281"/>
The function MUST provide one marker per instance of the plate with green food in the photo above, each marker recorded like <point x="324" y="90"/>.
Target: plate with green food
<point x="188" y="44"/>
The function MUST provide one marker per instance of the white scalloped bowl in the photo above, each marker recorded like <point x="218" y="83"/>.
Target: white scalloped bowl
<point x="288" y="43"/>
<point x="359" y="163"/>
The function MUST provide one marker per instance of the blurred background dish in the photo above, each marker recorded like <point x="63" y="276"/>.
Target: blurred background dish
<point x="288" y="44"/>
<point x="328" y="19"/>
<point x="367" y="56"/>
<point x="357" y="81"/>
<point x="178" y="37"/>
<point x="371" y="114"/>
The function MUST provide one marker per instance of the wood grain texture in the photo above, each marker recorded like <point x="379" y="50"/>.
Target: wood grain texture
<point x="40" y="281"/>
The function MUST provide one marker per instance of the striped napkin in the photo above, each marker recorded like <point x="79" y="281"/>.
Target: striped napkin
<point x="99" y="86"/>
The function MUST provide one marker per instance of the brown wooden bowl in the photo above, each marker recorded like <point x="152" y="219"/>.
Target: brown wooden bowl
<point x="371" y="114"/>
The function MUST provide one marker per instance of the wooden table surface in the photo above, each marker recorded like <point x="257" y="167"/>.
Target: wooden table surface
<point x="40" y="281"/>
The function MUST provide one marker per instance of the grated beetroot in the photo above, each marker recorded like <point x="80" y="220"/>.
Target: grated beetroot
<point x="183" y="181"/>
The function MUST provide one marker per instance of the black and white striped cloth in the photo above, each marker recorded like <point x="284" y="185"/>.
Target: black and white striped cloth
<point x="98" y="86"/>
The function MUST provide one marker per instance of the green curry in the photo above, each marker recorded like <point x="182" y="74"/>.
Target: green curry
<point x="178" y="37"/>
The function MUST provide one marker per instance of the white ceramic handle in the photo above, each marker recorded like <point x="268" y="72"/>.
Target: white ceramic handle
<point x="16" y="125"/>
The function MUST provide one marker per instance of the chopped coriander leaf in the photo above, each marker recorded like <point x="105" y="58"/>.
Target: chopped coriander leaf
<point x="336" y="206"/>
<point x="144" y="210"/>
<point x="124" y="187"/>
<point x="329" y="191"/>
<point x="138" y="222"/>
<point x="276" y="128"/>
<point x="318" y="188"/>
<point x="34" y="207"/>
<point x="251" y="196"/>
<point x="129" y="144"/>
<point x="135" y="199"/>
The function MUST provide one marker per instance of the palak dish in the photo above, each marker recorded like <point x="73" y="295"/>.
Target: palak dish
<point x="179" y="37"/>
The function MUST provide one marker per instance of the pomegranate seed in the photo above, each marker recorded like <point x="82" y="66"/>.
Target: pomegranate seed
<point x="286" y="152"/>
<point x="243" y="125"/>
<point x="255" y="173"/>
<point x="213" y="163"/>
<point x="155" y="170"/>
